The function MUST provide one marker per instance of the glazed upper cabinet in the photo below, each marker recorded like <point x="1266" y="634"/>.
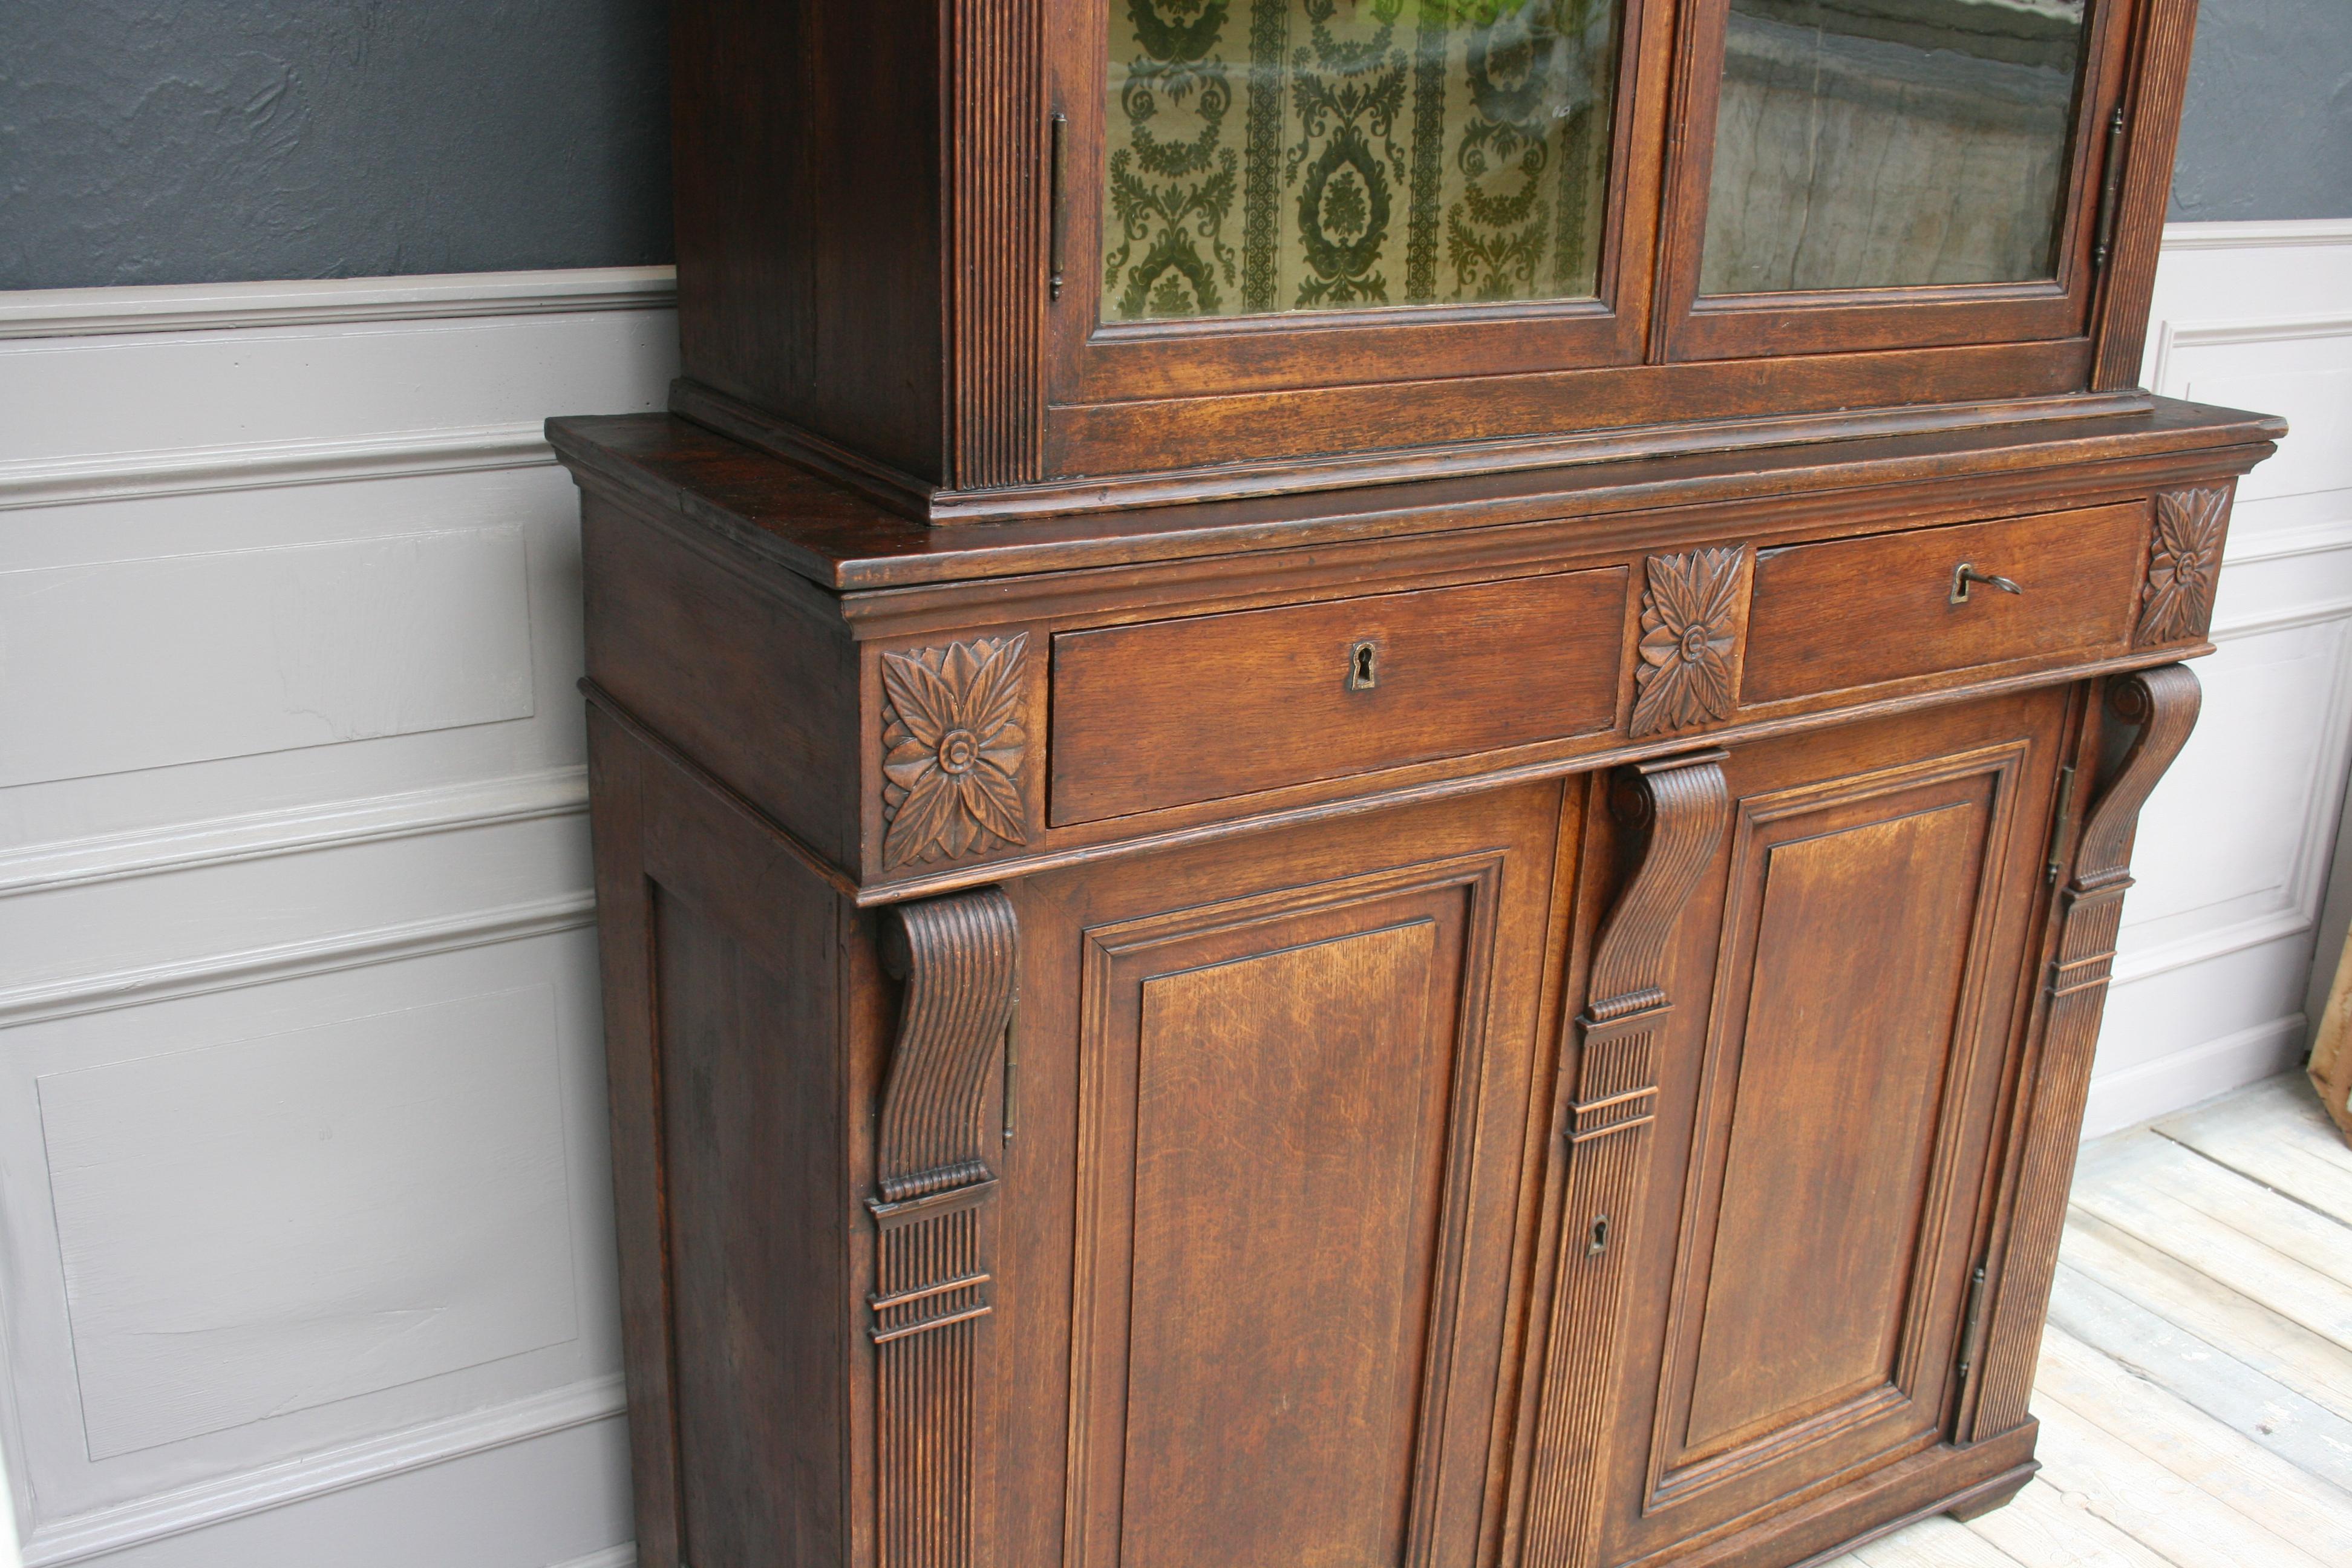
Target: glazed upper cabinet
<point x="1200" y="250"/>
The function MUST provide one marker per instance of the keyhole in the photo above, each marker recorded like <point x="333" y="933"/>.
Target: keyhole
<point x="1600" y="1242"/>
<point x="1362" y="672"/>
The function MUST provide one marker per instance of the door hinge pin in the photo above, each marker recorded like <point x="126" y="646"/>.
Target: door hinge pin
<point x="2111" y="188"/>
<point x="1057" y="242"/>
<point x="1972" y="1335"/>
<point x="2057" y="866"/>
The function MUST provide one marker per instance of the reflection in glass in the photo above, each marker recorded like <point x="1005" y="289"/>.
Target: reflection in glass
<point x="1328" y="154"/>
<point x="1862" y="143"/>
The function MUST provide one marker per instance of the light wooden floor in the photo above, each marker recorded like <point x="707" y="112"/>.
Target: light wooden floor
<point x="2196" y="1382"/>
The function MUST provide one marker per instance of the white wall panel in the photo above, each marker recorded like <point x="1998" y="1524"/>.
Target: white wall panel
<point x="119" y="666"/>
<point x="305" y="1223"/>
<point x="2236" y="847"/>
<point x="273" y="1225"/>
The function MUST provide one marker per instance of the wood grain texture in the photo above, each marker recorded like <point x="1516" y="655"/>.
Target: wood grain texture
<point x="1860" y="612"/>
<point x="2162" y="703"/>
<point x="1174" y="712"/>
<point x="1606" y="1126"/>
<point x="2165" y="31"/>
<point x="959" y="957"/>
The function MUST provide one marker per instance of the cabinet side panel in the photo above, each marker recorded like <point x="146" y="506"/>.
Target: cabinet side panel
<point x="744" y="947"/>
<point x="753" y="687"/>
<point x="617" y="791"/>
<point x="807" y="153"/>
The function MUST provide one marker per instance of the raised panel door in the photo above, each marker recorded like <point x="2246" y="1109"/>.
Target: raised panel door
<point x="1845" y="987"/>
<point x="1298" y="1115"/>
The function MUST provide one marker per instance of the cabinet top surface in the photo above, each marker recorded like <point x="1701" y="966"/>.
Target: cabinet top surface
<point x="841" y="541"/>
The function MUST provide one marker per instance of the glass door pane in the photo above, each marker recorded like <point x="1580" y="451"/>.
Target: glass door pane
<point x="1869" y="143"/>
<point x="1277" y="155"/>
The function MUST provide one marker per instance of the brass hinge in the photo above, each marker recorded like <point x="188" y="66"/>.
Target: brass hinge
<point x="1057" y="241"/>
<point x="2111" y="188"/>
<point x="2057" y="866"/>
<point x="1972" y="1331"/>
<point x="1011" y="1064"/>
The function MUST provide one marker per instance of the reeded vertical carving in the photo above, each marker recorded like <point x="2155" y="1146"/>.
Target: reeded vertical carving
<point x="1608" y="1128"/>
<point x="2163" y="702"/>
<point x="995" y="146"/>
<point x="959" y="957"/>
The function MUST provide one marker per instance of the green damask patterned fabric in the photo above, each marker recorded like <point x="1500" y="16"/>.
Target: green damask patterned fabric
<point x="1325" y="154"/>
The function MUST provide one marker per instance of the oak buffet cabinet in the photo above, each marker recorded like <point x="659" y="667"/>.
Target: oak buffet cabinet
<point x="1362" y="769"/>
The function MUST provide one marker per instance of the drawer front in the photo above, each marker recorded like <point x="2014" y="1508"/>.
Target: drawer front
<point x="1176" y="712"/>
<point x="1856" y="612"/>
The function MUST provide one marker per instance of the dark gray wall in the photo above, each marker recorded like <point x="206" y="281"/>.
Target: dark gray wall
<point x="2267" y="132"/>
<point x="212" y="141"/>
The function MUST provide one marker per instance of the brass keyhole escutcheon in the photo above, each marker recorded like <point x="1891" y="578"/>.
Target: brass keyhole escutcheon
<point x="1600" y="1242"/>
<point x="1965" y="576"/>
<point x="1363" y="666"/>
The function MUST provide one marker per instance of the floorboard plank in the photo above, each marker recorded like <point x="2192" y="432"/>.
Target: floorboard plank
<point x="2288" y="1500"/>
<point x="2187" y="1526"/>
<point x="2179" y="1292"/>
<point x="2261" y="1273"/>
<point x="2148" y="1164"/>
<point x="1936" y="1543"/>
<point x="2043" y="1526"/>
<point x="2283" y="1109"/>
<point x="2203" y="1375"/>
<point x="2299" y="1157"/>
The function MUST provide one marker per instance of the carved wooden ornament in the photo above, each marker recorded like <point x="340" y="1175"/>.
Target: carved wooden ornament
<point x="960" y="958"/>
<point x="1607" y="1126"/>
<point x="1694" y="614"/>
<point x="2184" y="563"/>
<point x="952" y="750"/>
<point x="2163" y="702"/>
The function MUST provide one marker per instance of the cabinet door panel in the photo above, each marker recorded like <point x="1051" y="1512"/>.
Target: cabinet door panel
<point x="1841" y="1027"/>
<point x="1299" y="1122"/>
<point x="1802" y="1288"/>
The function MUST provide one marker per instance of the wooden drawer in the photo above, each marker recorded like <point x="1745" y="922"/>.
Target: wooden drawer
<point x="1175" y="712"/>
<point x="1857" y="611"/>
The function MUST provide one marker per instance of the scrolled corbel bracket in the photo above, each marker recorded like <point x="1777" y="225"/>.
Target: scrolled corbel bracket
<point x="934" y="1191"/>
<point x="1685" y="805"/>
<point x="2161" y="704"/>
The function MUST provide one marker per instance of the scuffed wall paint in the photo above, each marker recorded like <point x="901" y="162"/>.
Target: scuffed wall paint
<point x="215" y="140"/>
<point x="2267" y="132"/>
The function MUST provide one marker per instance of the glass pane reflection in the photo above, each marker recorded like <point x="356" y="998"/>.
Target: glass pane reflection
<point x="1862" y="143"/>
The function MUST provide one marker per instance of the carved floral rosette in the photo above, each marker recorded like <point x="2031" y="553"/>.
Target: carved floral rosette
<point x="953" y="749"/>
<point x="1692" y="609"/>
<point x="2184" y="564"/>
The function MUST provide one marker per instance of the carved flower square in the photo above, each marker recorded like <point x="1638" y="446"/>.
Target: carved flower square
<point x="953" y="746"/>
<point x="2184" y="564"/>
<point x="1688" y="673"/>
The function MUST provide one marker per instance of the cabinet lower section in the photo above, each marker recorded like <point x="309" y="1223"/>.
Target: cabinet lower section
<point x="1659" y="1166"/>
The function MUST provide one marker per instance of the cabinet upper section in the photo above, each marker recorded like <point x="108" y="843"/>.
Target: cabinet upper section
<point x="1002" y="257"/>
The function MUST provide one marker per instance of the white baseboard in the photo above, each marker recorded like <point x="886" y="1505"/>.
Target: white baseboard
<point x="79" y="1540"/>
<point x="2140" y="1093"/>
